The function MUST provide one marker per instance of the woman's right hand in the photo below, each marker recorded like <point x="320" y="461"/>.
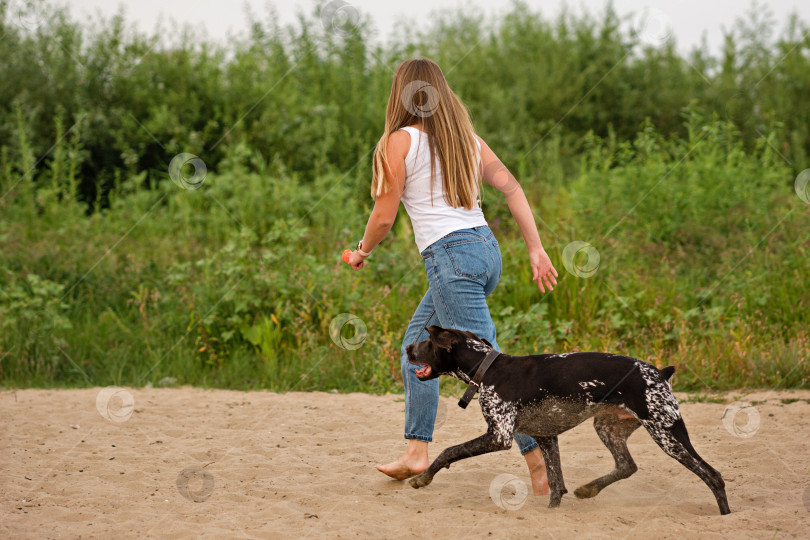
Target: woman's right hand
<point x="543" y="271"/>
<point x="355" y="260"/>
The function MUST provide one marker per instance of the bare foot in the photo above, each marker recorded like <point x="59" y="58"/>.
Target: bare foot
<point x="537" y="472"/>
<point x="412" y="463"/>
<point x="404" y="467"/>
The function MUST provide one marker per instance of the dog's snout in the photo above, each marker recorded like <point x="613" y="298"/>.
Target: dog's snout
<point x="409" y="349"/>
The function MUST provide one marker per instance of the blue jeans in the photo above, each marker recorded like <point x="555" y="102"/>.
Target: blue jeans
<point x="463" y="268"/>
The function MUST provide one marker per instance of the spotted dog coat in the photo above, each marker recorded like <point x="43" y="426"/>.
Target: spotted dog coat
<point x="544" y="395"/>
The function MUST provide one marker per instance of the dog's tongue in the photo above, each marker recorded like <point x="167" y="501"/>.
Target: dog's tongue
<point x="422" y="371"/>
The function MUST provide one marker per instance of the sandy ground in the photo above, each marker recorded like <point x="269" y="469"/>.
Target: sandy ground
<point x="189" y="463"/>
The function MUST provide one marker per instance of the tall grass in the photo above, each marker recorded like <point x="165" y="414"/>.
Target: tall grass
<point x="110" y="273"/>
<point x="236" y="284"/>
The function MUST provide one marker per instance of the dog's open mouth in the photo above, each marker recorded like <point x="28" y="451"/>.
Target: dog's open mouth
<point x="422" y="372"/>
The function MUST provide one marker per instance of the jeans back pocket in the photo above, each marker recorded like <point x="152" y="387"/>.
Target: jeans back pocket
<point x="469" y="257"/>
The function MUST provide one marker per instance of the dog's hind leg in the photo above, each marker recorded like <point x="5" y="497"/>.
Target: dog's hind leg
<point x="614" y="433"/>
<point x="674" y="441"/>
<point x="551" y="453"/>
<point x="488" y="442"/>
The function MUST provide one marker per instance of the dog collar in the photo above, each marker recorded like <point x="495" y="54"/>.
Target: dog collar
<point x="475" y="382"/>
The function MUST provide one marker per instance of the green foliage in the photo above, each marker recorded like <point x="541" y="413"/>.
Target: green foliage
<point x="236" y="284"/>
<point x="679" y="172"/>
<point x="307" y="101"/>
<point x="33" y="326"/>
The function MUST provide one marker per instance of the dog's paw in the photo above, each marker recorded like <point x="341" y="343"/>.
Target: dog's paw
<point x="587" y="491"/>
<point x="421" y="481"/>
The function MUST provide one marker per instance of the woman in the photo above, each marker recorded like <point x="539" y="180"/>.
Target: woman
<point x="430" y="159"/>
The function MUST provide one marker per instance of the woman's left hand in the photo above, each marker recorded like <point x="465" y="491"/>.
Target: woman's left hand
<point x="543" y="271"/>
<point x="356" y="260"/>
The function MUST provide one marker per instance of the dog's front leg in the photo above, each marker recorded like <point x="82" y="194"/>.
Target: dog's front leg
<point x="551" y="453"/>
<point x="484" y="444"/>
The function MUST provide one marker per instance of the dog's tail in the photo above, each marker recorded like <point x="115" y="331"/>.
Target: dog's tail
<point x="667" y="372"/>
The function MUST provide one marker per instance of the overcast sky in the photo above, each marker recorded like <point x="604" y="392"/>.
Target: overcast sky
<point x="689" y="19"/>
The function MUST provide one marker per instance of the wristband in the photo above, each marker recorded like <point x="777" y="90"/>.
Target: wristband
<point x="360" y="249"/>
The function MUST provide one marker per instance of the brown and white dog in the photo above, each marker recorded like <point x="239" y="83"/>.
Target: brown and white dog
<point x="544" y="395"/>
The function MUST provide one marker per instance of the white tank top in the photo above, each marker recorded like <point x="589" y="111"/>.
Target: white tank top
<point x="434" y="219"/>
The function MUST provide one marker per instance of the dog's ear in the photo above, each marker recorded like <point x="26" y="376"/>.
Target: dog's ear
<point x="443" y="338"/>
<point x="434" y="331"/>
<point x="667" y="372"/>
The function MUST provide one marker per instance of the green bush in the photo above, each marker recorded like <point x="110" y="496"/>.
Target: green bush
<point x="111" y="273"/>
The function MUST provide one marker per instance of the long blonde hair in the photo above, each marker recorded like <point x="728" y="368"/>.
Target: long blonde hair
<point x="420" y="92"/>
